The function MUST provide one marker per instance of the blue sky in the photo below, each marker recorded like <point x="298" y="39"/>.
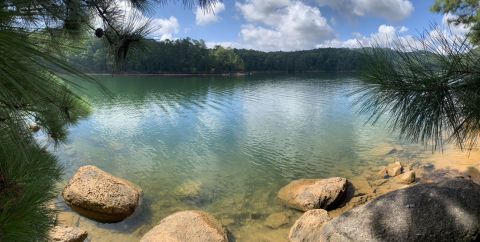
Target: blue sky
<point x="293" y="24"/>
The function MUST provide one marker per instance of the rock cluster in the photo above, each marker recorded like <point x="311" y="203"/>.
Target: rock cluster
<point x="397" y="170"/>
<point x="101" y="196"/>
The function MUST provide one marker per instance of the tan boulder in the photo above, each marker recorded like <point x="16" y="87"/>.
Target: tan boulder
<point x="407" y="178"/>
<point x="101" y="196"/>
<point x="307" y="194"/>
<point x="187" y="226"/>
<point x="62" y="233"/>
<point x="394" y="169"/>
<point x="307" y="227"/>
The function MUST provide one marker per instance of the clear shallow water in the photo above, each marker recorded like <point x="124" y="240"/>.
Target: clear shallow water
<point x="221" y="144"/>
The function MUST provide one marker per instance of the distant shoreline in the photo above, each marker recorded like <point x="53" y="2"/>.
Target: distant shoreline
<point x="216" y="74"/>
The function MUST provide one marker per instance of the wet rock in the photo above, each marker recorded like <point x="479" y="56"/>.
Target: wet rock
<point x="101" y="196"/>
<point x="187" y="226"/>
<point x="407" y="178"/>
<point x="307" y="194"/>
<point x="277" y="220"/>
<point x="307" y="227"/>
<point x="62" y="233"/>
<point x="408" y="215"/>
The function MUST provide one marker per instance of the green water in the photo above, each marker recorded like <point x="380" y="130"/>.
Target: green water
<point x="221" y="144"/>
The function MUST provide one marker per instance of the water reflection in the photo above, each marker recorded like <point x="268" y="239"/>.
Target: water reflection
<point x="224" y="144"/>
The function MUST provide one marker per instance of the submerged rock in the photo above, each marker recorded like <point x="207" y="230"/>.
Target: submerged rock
<point x="445" y="211"/>
<point x="307" y="194"/>
<point x="307" y="227"/>
<point x="62" y="233"/>
<point x="187" y="226"/>
<point x="101" y="196"/>
<point x="190" y="192"/>
<point x="277" y="220"/>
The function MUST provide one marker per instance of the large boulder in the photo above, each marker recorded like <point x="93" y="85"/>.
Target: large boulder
<point x="445" y="211"/>
<point x="62" y="233"/>
<point x="307" y="194"/>
<point x="307" y="227"/>
<point x="187" y="226"/>
<point x="98" y="195"/>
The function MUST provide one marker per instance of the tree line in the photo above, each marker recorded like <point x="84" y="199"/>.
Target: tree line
<point x="194" y="57"/>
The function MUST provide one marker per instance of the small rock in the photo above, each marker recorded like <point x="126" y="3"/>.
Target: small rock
<point x="307" y="227"/>
<point x="101" y="196"/>
<point x="277" y="220"/>
<point x="394" y="169"/>
<point x="307" y="194"/>
<point x="62" y="233"/>
<point x="407" y="178"/>
<point x="187" y="226"/>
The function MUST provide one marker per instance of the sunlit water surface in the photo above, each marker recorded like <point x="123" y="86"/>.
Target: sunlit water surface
<point x="221" y="144"/>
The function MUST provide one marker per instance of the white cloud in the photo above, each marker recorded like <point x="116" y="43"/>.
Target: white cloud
<point x="386" y="36"/>
<point x="203" y="17"/>
<point x="388" y="9"/>
<point x="165" y="28"/>
<point x="398" y="37"/>
<point x="460" y="29"/>
<point x="282" y="25"/>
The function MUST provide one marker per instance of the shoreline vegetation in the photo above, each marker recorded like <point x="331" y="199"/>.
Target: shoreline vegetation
<point x="217" y="74"/>
<point x="364" y="188"/>
<point x="188" y="56"/>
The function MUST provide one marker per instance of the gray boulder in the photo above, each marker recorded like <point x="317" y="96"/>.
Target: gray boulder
<point x="445" y="211"/>
<point x="307" y="194"/>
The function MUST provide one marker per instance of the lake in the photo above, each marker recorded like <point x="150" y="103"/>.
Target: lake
<point x="225" y="145"/>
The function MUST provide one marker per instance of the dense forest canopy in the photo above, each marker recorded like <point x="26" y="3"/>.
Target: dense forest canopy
<point x="193" y="56"/>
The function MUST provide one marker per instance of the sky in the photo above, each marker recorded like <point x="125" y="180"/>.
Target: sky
<point x="287" y="25"/>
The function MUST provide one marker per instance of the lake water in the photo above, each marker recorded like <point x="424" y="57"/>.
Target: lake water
<point x="222" y="144"/>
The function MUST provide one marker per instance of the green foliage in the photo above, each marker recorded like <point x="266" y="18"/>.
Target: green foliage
<point x="34" y="38"/>
<point x="192" y="56"/>
<point x="432" y="95"/>
<point x="466" y="12"/>
<point x="321" y="60"/>
<point x="27" y="180"/>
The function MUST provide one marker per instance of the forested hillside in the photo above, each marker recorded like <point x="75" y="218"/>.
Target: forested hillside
<point x="193" y="56"/>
